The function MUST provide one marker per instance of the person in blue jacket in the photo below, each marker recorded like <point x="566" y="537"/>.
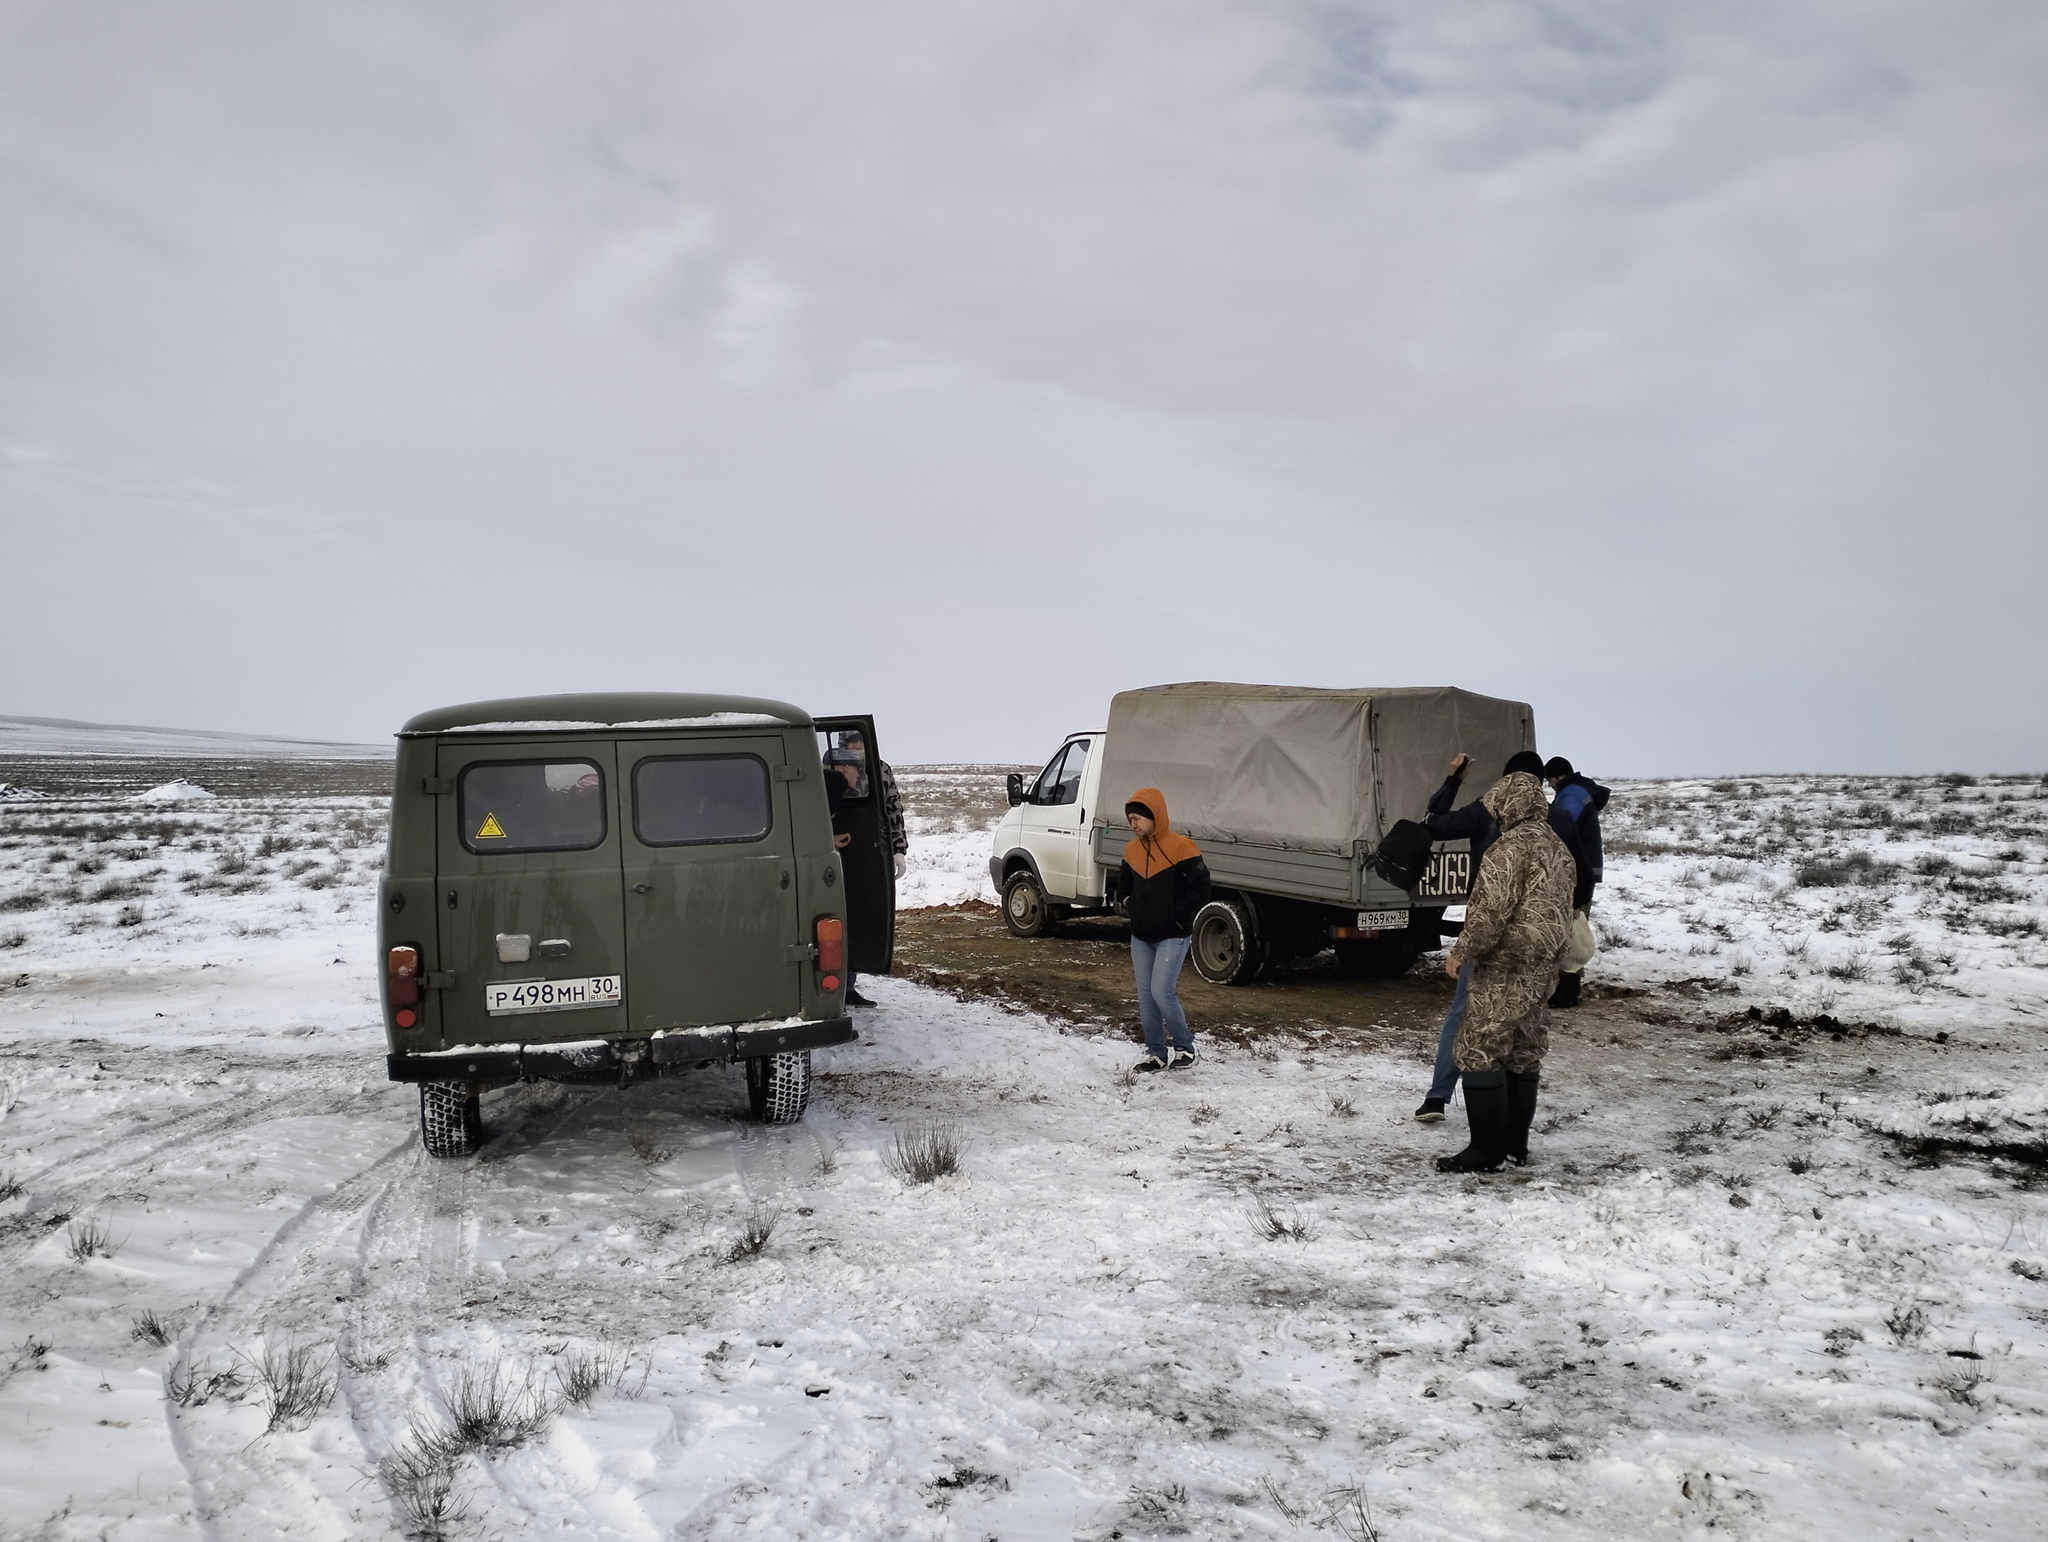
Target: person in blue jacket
<point x="1575" y="816"/>
<point x="1470" y="823"/>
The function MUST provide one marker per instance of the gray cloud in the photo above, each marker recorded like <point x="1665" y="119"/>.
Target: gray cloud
<point x="1677" y="368"/>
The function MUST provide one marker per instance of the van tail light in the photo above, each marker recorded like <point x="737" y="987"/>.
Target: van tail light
<point x="402" y="985"/>
<point x="831" y="951"/>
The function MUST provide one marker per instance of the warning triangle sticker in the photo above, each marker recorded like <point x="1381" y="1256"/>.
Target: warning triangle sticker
<point x="490" y="829"/>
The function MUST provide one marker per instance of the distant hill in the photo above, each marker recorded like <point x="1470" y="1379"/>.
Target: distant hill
<point x="21" y="736"/>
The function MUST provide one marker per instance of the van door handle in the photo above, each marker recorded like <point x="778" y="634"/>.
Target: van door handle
<point x="643" y="888"/>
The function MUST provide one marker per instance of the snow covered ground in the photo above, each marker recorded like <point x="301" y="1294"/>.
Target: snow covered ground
<point x="65" y="736"/>
<point x="1777" y="1275"/>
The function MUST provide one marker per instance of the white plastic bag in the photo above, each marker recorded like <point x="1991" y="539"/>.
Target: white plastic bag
<point x="1584" y="944"/>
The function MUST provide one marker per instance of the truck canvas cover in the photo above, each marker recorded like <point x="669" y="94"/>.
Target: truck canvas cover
<point x="1303" y="769"/>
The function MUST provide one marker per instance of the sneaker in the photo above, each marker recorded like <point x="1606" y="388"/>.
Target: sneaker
<point x="856" y="999"/>
<point x="1150" y="1063"/>
<point x="1180" y="1060"/>
<point x="1432" y="1111"/>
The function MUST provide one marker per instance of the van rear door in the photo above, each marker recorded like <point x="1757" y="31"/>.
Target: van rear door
<point x="847" y="746"/>
<point x="710" y="879"/>
<point x="528" y="852"/>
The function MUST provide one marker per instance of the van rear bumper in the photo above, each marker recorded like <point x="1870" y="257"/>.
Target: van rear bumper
<point x="610" y="1060"/>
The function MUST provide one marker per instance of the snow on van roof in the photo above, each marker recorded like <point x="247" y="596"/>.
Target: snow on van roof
<point x="583" y="712"/>
<point x="573" y="725"/>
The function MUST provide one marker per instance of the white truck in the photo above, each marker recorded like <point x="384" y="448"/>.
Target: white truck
<point x="1288" y="790"/>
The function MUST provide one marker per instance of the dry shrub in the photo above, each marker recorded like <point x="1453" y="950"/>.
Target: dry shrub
<point x="926" y="1152"/>
<point x="1274" y="1224"/>
<point x="297" y="1381"/>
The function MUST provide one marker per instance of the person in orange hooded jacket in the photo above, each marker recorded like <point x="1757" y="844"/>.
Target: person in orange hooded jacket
<point x="1164" y="881"/>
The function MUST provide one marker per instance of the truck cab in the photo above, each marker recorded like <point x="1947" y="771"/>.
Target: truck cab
<point x="1042" y="864"/>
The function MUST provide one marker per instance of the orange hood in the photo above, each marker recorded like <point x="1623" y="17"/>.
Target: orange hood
<point x="1162" y="848"/>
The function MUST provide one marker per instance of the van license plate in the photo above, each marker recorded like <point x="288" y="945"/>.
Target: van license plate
<point x="506" y="996"/>
<point x="1381" y="920"/>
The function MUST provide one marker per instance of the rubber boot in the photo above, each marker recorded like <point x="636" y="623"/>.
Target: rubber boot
<point x="1486" y="1107"/>
<point x="1521" y="1112"/>
<point x="1567" y="992"/>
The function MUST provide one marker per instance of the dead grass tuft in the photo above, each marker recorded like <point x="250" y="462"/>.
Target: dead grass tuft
<point x="420" y="1475"/>
<point x="152" y="1329"/>
<point x="297" y="1381"/>
<point x="1275" y="1224"/>
<point x="646" y="1147"/>
<point x="494" y="1409"/>
<point x="90" y="1239"/>
<point x="582" y="1374"/>
<point x="926" y="1152"/>
<point x="194" y="1385"/>
<point x="755" y="1231"/>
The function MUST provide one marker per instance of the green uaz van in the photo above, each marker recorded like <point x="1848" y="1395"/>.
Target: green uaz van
<point x="606" y="888"/>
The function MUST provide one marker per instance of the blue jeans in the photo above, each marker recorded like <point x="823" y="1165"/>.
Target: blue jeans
<point x="1157" y="965"/>
<point x="1445" y="1082"/>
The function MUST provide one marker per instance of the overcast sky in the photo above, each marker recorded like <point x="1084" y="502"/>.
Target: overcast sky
<point x="1681" y="369"/>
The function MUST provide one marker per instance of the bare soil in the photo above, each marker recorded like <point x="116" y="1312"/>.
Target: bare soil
<point x="1081" y="976"/>
<point x="120" y="776"/>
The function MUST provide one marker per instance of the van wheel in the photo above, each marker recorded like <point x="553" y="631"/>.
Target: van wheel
<point x="779" y="1086"/>
<point x="1026" y="911"/>
<point x="1379" y="958"/>
<point x="451" y="1123"/>
<point x="1225" y="949"/>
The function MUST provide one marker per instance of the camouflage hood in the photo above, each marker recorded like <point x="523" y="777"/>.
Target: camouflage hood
<point x="1515" y="800"/>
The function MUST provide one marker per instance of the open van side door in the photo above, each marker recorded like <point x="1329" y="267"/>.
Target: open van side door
<point x="853" y="784"/>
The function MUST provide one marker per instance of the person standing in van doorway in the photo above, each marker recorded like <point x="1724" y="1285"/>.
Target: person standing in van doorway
<point x="892" y="802"/>
<point x="845" y="776"/>
<point x="1164" y="881"/>
<point x="850" y="758"/>
<point x="1575" y="816"/>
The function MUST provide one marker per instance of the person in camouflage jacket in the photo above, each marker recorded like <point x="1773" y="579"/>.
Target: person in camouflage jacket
<point x="1518" y="926"/>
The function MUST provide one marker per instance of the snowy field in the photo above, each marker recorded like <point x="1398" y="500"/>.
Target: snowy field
<point x="1780" y="1269"/>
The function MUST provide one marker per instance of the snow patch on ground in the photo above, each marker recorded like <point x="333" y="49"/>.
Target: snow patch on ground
<point x="173" y="792"/>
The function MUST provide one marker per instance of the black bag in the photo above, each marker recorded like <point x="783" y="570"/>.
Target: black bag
<point x="1403" y="857"/>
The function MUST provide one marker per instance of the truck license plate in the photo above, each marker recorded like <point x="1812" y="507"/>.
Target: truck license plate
<point x="1449" y="876"/>
<point x="506" y="996"/>
<point x="1382" y="920"/>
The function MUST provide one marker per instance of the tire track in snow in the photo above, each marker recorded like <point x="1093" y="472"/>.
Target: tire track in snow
<point x="249" y="1487"/>
<point x="405" y="1210"/>
<point x="84" y="1177"/>
<point x="416" y="1258"/>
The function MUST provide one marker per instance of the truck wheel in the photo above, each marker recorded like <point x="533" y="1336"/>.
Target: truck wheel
<point x="451" y="1123"/>
<point x="1378" y="958"/>
<point x="1225" y="949"/>
<point x="1026" y="911"/>
<point x="779" y="1086"/>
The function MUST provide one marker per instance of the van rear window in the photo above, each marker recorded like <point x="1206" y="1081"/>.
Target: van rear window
<point x="700" y="800"/>
<point x="532" y="805"/>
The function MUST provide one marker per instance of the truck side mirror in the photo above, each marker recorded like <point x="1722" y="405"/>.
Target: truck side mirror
<point x="1016" y="788"/>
